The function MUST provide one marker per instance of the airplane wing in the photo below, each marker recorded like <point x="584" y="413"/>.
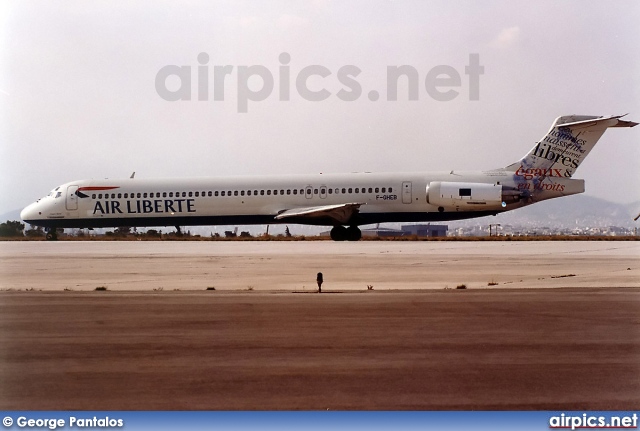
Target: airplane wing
<point x="341" y="213"/>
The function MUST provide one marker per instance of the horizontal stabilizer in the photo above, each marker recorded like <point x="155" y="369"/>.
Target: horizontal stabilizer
<point x="594" y="121"/>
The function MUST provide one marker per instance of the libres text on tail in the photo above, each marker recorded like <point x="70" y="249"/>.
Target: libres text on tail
<point x="565" y="146"/>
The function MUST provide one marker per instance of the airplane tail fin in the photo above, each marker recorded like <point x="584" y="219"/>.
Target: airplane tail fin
<point x="566" y="145"/>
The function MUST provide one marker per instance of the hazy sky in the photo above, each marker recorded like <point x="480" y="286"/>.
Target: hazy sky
<point x="78" y="92"/>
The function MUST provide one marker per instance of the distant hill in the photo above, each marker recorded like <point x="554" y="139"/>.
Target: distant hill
<point x="567" y="212"/>
<point x="11" y="215"/>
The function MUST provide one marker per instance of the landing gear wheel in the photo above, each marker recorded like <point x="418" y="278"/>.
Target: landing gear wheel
<point x="339" y="233"/>
<point x="353" y="233"/>
<point x="51" y="235"/>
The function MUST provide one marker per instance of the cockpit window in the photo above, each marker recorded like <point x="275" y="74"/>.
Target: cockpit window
<point x="53" y="193"/>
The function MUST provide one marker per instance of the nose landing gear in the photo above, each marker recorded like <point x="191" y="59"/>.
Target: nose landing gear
<point x="341" y="233"/>
<point x="52" y="234"/>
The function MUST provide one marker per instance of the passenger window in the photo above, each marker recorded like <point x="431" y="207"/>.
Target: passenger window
<point x="255" y="193"/>
<point x="100" y="196"/>
<point x="242" y="193"/>
<point x="350" y="190"/>
<point x="295" y="191"/>
<point x="164" y="194"/>
<point x="370" y="190"/>
<point x="330" y="191"/>
<point x="248" y="192"/>
<point x="93" y="196"/>
<point x="144" y="195"/>
<point x="216" y="193"/>
<point x="344" y="190"/>
<point x="357" y="190"/>
<point x="390" y="190"/>
<point x="119" y="195"/>
<point x="261" y="192"/>
<point x="268" y="192"/>
<point x="197" y="194"/>
<point x="384" y="190"/>
<point x="190" y="194"/>
<point x="377" y="190"/>
<point x="235" y="193"/>
<point x="210" y="193"/>
<point x="139" y="195"/>
<point x="222" y="193"/>
<point x="275" y="192"/>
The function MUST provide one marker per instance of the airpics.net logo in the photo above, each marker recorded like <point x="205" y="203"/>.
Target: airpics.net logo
<point x="256" y="83"/>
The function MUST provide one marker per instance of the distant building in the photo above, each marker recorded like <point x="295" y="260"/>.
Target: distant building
<point x="382" y="232"/>
<point x="421" y="230"/>
<point x="428" y="230"/>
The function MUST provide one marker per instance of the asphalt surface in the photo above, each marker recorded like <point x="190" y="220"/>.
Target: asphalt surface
<point x="501" y="348"/>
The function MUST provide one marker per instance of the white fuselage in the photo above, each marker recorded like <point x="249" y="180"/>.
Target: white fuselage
<point x="391" y="197"/>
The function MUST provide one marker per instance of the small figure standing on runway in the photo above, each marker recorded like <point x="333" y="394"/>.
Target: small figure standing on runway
<point x="319" y="280"/>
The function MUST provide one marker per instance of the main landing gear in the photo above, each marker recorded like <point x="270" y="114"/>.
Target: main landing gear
<point x="341" y="233"/>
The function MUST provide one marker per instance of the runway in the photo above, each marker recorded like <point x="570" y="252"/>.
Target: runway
<point x="565" y="349"/>
<point x="292" y="266"/>
<point x="566" y="337"/>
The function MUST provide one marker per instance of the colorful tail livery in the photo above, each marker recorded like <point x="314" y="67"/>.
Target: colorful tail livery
<point x="566" y="145"/>
<point x="344" y="201"/>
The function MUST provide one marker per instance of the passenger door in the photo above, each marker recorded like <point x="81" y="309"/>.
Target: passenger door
<point x="72" y="198"/>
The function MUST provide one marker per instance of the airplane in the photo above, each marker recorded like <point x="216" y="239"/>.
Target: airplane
<point x="343" y="201"/>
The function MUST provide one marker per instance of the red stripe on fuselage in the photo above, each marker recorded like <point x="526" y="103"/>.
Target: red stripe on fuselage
<point x="90" y="189"/>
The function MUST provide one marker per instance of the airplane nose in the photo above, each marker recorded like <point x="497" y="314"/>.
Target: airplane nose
<point x="30" y="213"/>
